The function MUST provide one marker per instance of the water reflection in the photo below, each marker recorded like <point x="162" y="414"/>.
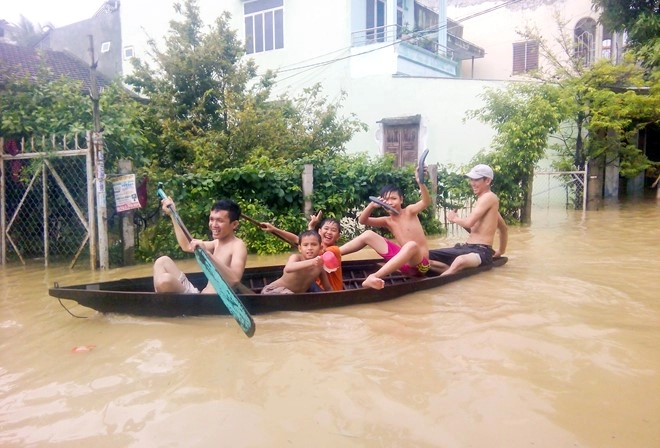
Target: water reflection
<point x="557" y="348"/>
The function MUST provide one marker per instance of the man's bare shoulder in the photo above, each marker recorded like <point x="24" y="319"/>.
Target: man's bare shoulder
<point x="488" y="198"/>
<point x="232" y="244"/>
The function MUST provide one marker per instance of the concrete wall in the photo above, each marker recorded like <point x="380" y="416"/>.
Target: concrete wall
<point x="322" y="34"/>
<point x="105" y="28"/>
<point x="496" y="30"/>
<point x="442" y="103"/>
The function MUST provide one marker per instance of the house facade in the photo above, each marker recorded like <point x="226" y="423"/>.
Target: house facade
<point x="410" y="69"/>
<point x="498" y="27"/>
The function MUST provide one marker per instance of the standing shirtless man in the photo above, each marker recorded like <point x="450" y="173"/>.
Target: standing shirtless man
<point x="482" y="223"/>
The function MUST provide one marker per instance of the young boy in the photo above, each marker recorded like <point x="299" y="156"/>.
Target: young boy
<point x="329" y="230"/>
<point x="410" y="253"/>
<point x="301" y="269"/>
<point x="228" y="252"/>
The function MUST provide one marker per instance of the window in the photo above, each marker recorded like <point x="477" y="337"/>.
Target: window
<point x="264" y="25"/>
<point x="128" y="52"/>
<point x="375" y="20"/>
<point x="585" y="45"/>
<point x="525" y="56"/>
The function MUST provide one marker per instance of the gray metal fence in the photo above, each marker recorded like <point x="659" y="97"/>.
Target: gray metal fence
<point x="560" y="189"/>
<point x="47" y="199"/>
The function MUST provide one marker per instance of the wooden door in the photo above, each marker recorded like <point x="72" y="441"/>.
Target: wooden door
<point x="401" y="140"/>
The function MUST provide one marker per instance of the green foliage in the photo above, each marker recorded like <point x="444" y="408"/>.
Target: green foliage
<point x="610" y="105"/>
<point x="26" y="33"/>
<point x="523" y="115"/>
<point x="42" y="106"/>
<point x="604" y="105"/>
<point x="640" y="19"/>
<point x="209" y="111"/>
<point x="39" y="106"/>
<point x="274" y="194"/>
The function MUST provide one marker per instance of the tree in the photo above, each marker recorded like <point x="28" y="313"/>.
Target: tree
<point x="523" y="115"/>
<point x="28" y="34"/>
<point x="209" y="110"/>
<point x="43" y="107"/>
<point x="641" y="19"/>
<point x="602" y="101"/>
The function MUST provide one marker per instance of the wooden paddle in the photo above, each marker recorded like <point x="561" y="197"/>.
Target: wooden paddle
<point x="258" y="224"/>
<point x="656" y="182"/>
<point x="227" y="295"/>
<point x="420" y="166"/>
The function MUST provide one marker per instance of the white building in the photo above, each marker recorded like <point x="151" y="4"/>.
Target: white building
<point x="497" y="26"/>
<point x="409" y="71"/>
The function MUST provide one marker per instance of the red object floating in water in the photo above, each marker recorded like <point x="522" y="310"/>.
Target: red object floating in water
<point x="83" y="348"/>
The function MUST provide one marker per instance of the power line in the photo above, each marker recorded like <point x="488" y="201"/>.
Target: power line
<point x="415" y="35"/>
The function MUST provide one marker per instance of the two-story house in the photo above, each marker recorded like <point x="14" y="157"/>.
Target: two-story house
<point x="499" y="26"/>
<point x="409" y="70"/>
<point x="399" y="61"/>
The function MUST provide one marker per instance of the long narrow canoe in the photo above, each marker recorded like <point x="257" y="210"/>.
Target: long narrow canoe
<point x="137" y="297"/>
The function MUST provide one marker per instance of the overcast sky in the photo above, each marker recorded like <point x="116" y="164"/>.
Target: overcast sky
<point x="59" y="13"/>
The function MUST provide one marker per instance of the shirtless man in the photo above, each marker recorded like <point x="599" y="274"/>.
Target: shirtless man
<point x="301" y="269"/>
<point x="227" y="252"/>
<point x="482" y="223"/>
<point x="410" y="253"/>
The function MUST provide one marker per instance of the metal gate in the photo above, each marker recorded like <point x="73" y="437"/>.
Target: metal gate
<point x="562" y="189"/>
<point x="47" y="199"/>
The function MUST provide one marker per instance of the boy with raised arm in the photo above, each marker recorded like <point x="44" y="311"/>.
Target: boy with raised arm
<point x="301" y="269"/>
<point x="410" y="252"/>
<point x="227" y="252"/>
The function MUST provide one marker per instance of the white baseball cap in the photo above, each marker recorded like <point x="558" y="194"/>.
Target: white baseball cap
<point x="480" y="171"/>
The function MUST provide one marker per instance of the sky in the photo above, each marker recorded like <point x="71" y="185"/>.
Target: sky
<point x="59" y="13"/>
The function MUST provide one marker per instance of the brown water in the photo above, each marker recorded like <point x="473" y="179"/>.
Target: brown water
<point x="559" y="348"/>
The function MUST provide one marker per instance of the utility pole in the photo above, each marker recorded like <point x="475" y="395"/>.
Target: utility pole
<point x="99" y="159"/>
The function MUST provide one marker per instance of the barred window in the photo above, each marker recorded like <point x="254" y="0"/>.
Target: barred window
<point x="525" y="56"/>
<point x="264" y="25"/>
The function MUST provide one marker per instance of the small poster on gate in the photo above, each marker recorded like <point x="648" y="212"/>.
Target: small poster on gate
<point x="125" y="194"/>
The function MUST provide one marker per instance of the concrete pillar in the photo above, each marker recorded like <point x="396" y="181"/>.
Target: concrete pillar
<point x="308" y="188"/>
<point x="127" y="224"/>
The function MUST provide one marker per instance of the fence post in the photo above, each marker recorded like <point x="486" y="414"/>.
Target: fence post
<point x="3" y="218"/>
<point x="433" y="175"/>
<point x="101" y="205"/>
<point x="91" y="223"/>
<point x="127" y="224"/>
<point x="308" y="188"/>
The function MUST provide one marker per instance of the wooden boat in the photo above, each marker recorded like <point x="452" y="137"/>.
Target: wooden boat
<point x="137" y="297"/>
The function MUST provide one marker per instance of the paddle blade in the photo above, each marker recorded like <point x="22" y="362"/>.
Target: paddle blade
<point x="420" y="166"/>
<point x="227" y="295"/>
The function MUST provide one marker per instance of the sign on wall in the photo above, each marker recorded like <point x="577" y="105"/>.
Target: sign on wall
<point x="126" y="197"/>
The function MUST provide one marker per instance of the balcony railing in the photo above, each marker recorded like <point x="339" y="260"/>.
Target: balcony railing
<point x="457" y="49"/>
<point x="380" y="34"/>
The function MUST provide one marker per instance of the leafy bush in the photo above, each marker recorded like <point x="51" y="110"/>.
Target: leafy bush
<point x="274" y="194"/>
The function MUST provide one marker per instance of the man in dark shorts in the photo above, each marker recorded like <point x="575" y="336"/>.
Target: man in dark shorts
<point x="482" y="224"/>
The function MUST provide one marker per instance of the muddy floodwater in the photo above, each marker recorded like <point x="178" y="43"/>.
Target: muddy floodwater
<point x="558" y="348"/>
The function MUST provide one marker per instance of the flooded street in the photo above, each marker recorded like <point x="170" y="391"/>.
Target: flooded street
<point x="558" y="348"/>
